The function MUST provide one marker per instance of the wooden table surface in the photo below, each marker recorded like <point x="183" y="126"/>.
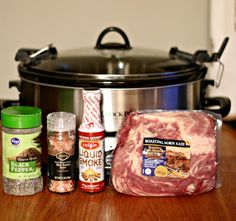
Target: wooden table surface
<point x="219" y="204"/>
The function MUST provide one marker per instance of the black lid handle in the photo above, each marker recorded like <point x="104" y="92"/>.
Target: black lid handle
<point x="113" y="45"/>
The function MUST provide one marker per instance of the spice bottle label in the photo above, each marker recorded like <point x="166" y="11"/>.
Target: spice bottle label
<point x="61" y="161"/>
<point x="61" y="166"/>
<point x="21" y="155"/>
<point x="91" y="162"/>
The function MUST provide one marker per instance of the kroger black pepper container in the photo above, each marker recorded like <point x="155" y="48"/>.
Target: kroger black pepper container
<point x="21" y="153"/>
<point x="61" y="151"/>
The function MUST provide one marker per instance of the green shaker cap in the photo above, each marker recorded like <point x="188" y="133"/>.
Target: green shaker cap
<point x="21" y="117"/>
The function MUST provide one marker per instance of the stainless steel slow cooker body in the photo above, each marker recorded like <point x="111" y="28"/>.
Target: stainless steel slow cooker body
<point x="130" y="79"/>
<point x="117" y="103"/>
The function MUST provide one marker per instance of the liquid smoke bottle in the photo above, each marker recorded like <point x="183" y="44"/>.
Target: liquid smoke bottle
<point x="91" y="144"/>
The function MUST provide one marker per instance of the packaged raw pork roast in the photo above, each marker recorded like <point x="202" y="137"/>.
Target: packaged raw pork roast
<point x="167" y="153"/>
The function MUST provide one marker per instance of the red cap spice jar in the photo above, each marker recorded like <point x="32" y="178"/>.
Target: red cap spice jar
<point x="91" y="144"/>
<point x="61" y="151"/>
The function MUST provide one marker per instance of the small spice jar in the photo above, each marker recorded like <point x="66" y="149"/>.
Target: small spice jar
<point x="61" y="151"/>
<point x="21" y="159"/>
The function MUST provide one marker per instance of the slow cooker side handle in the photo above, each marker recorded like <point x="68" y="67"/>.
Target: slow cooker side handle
<point x="8" y="103"/>
<point x="223" y="105"/>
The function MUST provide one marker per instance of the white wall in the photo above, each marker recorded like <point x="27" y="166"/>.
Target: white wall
<point x="223" y="23"/>
<point x="74" y="23"/>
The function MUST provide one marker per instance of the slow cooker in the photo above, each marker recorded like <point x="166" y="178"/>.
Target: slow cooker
<point x="130" y="79"/>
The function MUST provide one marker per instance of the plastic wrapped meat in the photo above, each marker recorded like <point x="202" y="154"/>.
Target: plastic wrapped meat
<point x="167" y="153"/>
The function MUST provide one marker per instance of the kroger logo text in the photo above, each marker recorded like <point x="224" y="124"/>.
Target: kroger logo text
<point x="15" y="141"/>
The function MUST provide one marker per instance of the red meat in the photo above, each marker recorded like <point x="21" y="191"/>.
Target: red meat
<point x="195" y="127"/>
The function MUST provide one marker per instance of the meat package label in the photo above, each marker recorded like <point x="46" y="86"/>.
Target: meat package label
<point x="165" y="158"/>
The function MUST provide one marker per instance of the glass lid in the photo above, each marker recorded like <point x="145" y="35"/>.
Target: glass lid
<point x="109" y="64"/>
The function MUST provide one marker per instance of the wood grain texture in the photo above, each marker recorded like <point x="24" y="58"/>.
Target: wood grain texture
<point x="219" y="204"/>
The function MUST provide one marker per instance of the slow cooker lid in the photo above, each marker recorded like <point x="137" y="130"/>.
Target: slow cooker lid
<point x="113" y="63"/>
<point x="122" y="63"/>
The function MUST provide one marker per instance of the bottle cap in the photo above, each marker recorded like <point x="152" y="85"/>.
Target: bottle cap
<point x="21" y="117"/>
<point x="61" y="121"/>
